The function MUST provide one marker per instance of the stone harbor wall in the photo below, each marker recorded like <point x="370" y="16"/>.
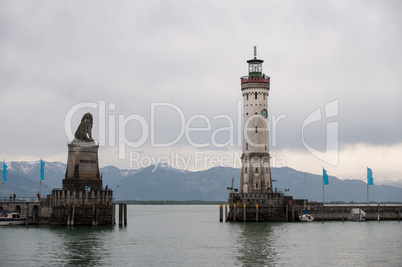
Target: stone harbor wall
<point x="260" y="207"/>
<point x="65" y="207"/>
<point x="81" y="215"/>
<point x="81" y="197"/>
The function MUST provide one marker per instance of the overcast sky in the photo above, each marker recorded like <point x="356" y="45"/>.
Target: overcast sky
<point x="186" y="58"/>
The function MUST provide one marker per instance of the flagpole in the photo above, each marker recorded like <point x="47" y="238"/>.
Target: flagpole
<point x="3" y="183"/>
<point x="368" y="201"/>
<point x="40" y="178"/>
<point x="322" y="213"/>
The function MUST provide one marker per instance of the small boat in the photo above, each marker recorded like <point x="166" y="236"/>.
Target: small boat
<point x="306" y="217"/>
<point x="357" y="215"/>
<point x="11" y="218"/>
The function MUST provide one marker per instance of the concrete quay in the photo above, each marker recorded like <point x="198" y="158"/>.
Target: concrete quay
<point x="67" y="207"/>
<point x="340" y="212"/>
<point x="276" y="207"/>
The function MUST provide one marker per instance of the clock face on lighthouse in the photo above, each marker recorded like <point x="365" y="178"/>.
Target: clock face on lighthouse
<point x="264" y="113"/>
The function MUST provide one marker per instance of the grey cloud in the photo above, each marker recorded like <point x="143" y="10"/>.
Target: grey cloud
<point x="58" y="54"/>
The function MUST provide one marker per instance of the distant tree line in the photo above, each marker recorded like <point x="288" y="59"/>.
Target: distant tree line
<point x="169" y="202"/>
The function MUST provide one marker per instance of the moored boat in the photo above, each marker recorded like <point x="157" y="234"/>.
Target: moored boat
<point x="357" y="215"/>
<point x="11" y="218"/>
<point x="306" y="217"/>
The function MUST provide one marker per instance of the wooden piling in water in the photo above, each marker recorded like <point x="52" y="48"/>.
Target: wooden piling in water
<point x="244" y="212"/>
<point x="27" y="214"/>
<point x="256" y="212"/>
<point x="72" y="215"/>
<point x="93" y="215"/>
<point x="234" y="212"/>
<point x="120" y="214"/>
<point x="125" y="214"/>
<point x="226" y="212"/>
<point x="221" y="212"/>
<point x="113" y="214"/>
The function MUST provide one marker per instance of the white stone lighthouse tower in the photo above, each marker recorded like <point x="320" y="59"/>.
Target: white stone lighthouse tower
<point x="256" y="171"/>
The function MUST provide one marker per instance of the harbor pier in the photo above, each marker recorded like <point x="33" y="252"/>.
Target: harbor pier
<point x="340" y="212"/>
<point x="275" y="207"/>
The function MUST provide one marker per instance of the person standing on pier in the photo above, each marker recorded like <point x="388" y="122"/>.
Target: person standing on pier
<point x="14" y="197"/>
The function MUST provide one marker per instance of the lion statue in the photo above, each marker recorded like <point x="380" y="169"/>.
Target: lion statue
<point x="83" y="132"/>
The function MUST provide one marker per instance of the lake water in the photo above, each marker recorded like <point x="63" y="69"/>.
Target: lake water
<point x="193" y="236"/>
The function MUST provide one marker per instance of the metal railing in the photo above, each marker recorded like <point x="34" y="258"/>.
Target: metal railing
<point x="7" y="200"/>
<point x="253" y="79"/>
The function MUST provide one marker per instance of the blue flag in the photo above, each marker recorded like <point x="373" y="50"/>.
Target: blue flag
<point x="42" y="170"/>
<point x="4" y="172"/>
<point x="325" y="176"/>
<point x="370" y="177"/>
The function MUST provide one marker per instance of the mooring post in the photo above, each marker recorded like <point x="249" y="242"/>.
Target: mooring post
<point x="68" y="218"/>
<point x="226" y="212"/>
<point x="96" y="215"/>
<point x="234" y="212"/>
<point x="93" y="214"/>
<point x="27" y="214"/>
<point x="256" y="212"/>
<point x="113" y="214"/>
<point x="120" y="214"/>
<point x="125" y="214"/>
<point x="72" y="215"/>
<point x="221" y="212"/>
<point x="244" y="212"/>
<point x="287" y="212"/>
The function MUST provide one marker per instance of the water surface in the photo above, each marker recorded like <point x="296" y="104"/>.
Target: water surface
<point x="193" y="236"/>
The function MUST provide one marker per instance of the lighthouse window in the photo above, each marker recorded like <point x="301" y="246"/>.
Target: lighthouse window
<point x="255" y="95"/>
<point x="264" y="97"/>
<point x="266" y="170"/>
<point x="256" y="170"/>
<point x="245" y="170"/>
<point x="256" y="129"/>
<point x="246" y="146"/>
<point x="256" y="185"/>
<point x="247" y="96"/>
<point x="246" y="113"/>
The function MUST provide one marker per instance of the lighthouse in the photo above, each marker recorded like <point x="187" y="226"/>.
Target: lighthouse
<point x="256" y="200"/>
<point x="256" y="171"/>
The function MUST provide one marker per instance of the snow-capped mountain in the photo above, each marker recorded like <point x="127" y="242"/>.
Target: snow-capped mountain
<point x="162" y="182"/>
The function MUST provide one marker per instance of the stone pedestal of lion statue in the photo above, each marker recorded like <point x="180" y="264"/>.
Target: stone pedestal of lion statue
<point x="82" y="163"/>
<point x="82" y="167"/>
<point x="82" y="200"/>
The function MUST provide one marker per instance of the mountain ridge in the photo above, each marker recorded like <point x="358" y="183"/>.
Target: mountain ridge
<point x="162" y="182"/>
